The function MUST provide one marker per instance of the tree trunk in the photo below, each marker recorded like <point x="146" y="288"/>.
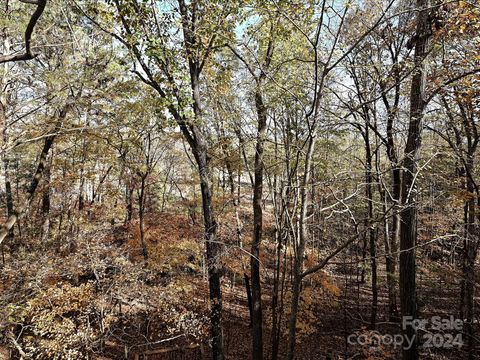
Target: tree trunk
<point x="391" y="243"/>
<point x="300" y="253"/>
<point x="196" y="138"/>
<point x="257" y="349"/>
<point x="8" y="194"/>
<point x="392" y="256"/>
<point x="129" y="200"/>
<point x="248" y="290"/>
<point x="213" y="261"/>
<point x="469" y="256"/>
<point x="46" y="204"/>
<point x="141" y="218"/>
<point x="408" y="215"/>
<point x="279" y="204"/>
<point x="369" y="226"/>
<point x="4" y="97"/>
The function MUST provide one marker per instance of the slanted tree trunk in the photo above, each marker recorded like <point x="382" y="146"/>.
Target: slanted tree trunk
<point x="47" y="145"/>
<point x="193" y="133"/>
<point x="27" y="54"/>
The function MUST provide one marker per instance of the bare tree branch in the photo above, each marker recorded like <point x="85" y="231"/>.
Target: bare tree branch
<point x="27" y="55"/>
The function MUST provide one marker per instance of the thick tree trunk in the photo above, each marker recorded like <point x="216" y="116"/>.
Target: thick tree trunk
<point x="213" y="261"/>
<point x="408" y="215"/>
<point x="200" y="151"/>
<point x="46" y="204"/>
<point x="8" y="194"/>
<point x="257" y="349"/>
<point x="129" y="201"/>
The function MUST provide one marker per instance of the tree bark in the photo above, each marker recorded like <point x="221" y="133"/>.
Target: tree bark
<point x="213" y="254"/>
<point x="257" y="349"/>
<point x="409" y="212"/>
<point x="46" y="203"/>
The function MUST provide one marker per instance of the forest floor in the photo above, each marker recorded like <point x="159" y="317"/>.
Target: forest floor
<point x="350" y="316"/>
<point x="335" y="304"/>
<point x="333" y="316"/>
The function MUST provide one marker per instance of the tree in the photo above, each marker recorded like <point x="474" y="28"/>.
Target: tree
<point x="408" y="215"/>
<point x="146" y="38"/>
<point x="323" y="69"/>
<point x="262" y="114"/>
<point x="461" y="133"/>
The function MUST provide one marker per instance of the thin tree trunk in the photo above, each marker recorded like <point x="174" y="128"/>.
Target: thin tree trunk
<point x="4" y="97"/>
<point x="141" y="216"/>
<point x="299" y="255"/>
<point x="197" y="141"/>
<point x="469" y="257"/>
<point x="369" y="226"/>
<point x="279" y="230"/>
<point x="248" y="290"/>
<point x="391" y="244"/>
<point x="391" y="256"/>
